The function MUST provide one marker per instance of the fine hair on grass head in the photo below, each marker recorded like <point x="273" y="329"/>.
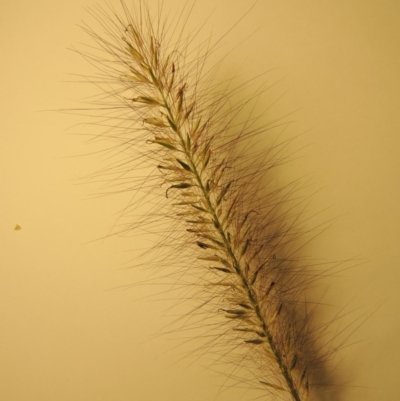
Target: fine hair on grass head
<point x="192" y="147"/>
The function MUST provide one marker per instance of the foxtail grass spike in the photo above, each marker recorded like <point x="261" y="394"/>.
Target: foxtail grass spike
<point x="238" y="237"/>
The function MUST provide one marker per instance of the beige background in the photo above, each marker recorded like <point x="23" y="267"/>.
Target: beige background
<point x="66" y="332"/>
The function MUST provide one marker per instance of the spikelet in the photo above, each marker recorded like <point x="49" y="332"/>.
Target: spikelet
<point x="237" y="239"/>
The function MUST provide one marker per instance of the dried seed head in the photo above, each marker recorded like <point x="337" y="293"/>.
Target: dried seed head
<point x="157" y="122"/>
<point x="150" y="101"/>
<point x="138" y="40"/>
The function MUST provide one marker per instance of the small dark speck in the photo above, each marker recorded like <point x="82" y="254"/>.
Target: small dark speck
<point x="17" y="227"/>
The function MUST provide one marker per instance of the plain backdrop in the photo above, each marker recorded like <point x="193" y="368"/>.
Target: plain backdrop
<point x="68" y="331"/>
